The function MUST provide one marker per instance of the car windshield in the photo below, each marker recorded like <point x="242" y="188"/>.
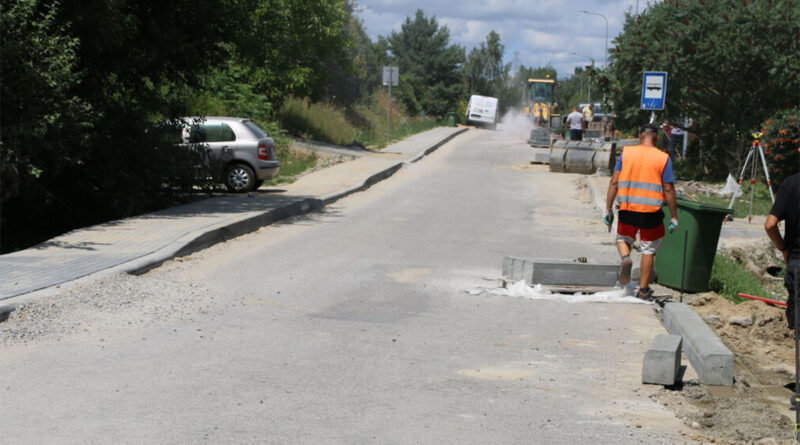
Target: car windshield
<point x="259" y="133"/>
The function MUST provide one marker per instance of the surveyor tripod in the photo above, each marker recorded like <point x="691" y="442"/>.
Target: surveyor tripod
<point x="756" y="151"/>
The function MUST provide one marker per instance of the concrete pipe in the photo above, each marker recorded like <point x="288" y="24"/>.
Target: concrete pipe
<point x="557" y="153"/>
<point x="580" y="159"/>
<point x="605" y="158"/>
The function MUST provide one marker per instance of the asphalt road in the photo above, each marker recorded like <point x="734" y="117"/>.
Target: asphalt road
<point x="351" y="326"/>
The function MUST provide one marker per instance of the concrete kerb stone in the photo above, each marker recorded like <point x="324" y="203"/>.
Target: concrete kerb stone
<point x="228" y="230"/>
<point x="5" y="311"/>
<point x="554" y="272"/>
<point x="435" y="146"/>
<point x="710" y="358"/>
<point x="224" y="231"/>
<point x="662" y="361"/>
<point x="598" y="198"/>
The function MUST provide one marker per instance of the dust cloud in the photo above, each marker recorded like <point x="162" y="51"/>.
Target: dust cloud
<point x="516" y="125"/>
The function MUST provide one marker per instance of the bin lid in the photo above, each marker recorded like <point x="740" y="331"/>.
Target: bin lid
<point x="701" y="206"/>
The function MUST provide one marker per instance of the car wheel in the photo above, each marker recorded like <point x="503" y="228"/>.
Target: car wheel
<point x="239" y="178"/>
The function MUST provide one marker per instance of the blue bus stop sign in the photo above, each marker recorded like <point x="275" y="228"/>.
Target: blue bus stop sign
<point x="654" y="90"/>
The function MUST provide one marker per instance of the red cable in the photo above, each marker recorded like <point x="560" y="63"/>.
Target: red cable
<point x="765" y="300"/>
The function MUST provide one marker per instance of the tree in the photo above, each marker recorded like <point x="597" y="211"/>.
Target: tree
<point x="575" y="89"/>
<point x="288" y="43"/>
<point x="430" y="81"/>
<point x="83" y="84"/>
<point x="487" y="74"/>
<point x="357" y="73"/>
<point x="731" y="64"/>
<point x="39" y="72"/>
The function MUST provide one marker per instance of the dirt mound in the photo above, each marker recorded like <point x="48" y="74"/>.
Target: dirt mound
<point x="755" y="409"/>
<point x="733" y="417"/>
<point x="752" y="328"/>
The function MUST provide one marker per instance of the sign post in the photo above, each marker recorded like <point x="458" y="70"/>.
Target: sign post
<point x="654" y="91"/>
<point x="391" y="78"/>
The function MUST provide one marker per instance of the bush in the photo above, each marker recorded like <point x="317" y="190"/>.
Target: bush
<point x="781" y="141"/>
<point x="317" y="121"/>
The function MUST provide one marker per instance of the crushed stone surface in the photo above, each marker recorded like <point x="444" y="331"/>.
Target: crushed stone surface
<point x="112" y="300"/>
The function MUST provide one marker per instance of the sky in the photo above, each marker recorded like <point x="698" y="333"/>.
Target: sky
<point x="535" y="32"/>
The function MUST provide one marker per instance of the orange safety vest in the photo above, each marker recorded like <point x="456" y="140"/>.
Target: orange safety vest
<point x="639" y="187"/>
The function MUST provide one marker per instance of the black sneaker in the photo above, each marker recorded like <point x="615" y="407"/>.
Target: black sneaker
<point x="645" y="294"/>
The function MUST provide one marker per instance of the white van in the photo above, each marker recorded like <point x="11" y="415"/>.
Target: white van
<point x="482" y="110"/>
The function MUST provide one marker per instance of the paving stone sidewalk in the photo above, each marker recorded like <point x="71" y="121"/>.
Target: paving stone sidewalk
<point x="139" y="243"/>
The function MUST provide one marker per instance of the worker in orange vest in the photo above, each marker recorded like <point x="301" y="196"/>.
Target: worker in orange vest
<point x="642" y="181"/>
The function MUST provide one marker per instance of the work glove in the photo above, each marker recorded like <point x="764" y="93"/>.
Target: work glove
<point x="673" y="224"/>
<point x="609" y="219"/>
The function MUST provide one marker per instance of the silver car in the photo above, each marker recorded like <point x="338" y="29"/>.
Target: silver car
<point x="245" y="151"/>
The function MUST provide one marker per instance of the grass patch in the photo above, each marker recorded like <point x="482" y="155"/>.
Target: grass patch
<point x="318" y="121"/>
<point x="728" y="278"/>
<point x="365" y="122"/>
<point x="371" y="117"/>
<point x="762" y="203"/>
<point x="293" y="163"/>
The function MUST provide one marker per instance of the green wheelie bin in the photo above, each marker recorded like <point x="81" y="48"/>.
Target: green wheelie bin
<point x="686" y="257"/>
<point x="451" y="119"/>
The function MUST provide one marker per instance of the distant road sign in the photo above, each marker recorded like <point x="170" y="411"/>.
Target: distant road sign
<point x="654" y="90"/>
<point x="391" y="76"/>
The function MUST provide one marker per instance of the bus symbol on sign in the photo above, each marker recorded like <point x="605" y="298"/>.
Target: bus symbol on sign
<point x="654" y="90"/>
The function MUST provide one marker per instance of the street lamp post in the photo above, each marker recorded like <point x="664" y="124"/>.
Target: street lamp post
<point x="606" y="19"/>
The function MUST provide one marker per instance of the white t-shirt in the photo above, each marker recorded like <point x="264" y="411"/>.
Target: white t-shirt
<point x="575" y="120"/>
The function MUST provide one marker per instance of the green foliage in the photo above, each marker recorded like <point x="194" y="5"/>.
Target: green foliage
<point x="430" y="81"/>
<point x="729" y="278"/>
<point x="293" y="163"/>
<point x="87" y="84"/>
<point x="84" y="84"/>
<point x="731" y="63"/>
<point x="289" y="42"/>
<point x="576" y="89"/>
<point x="487" y="75"/>
<point x="370" y="115"/>
<point x="226" y="92"/>
<point x="39" y="111"/>
<point x="357" y="73"/>
<point x="781" y="142"/>
<point x="318" y="121"/>
<point x="485" y="71"/>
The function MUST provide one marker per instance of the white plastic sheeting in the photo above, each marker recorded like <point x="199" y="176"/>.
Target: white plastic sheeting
<point x="732" y="186"/>
<point x="520" y="289"/>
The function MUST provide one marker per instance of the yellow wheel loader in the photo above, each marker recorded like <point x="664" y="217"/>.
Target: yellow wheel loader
<point x="539" y="104"/>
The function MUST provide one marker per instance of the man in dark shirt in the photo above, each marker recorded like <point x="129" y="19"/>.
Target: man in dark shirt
<point x="787" y="208"/>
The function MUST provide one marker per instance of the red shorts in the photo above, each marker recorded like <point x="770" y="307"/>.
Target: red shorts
<point x="629" y="231"/>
